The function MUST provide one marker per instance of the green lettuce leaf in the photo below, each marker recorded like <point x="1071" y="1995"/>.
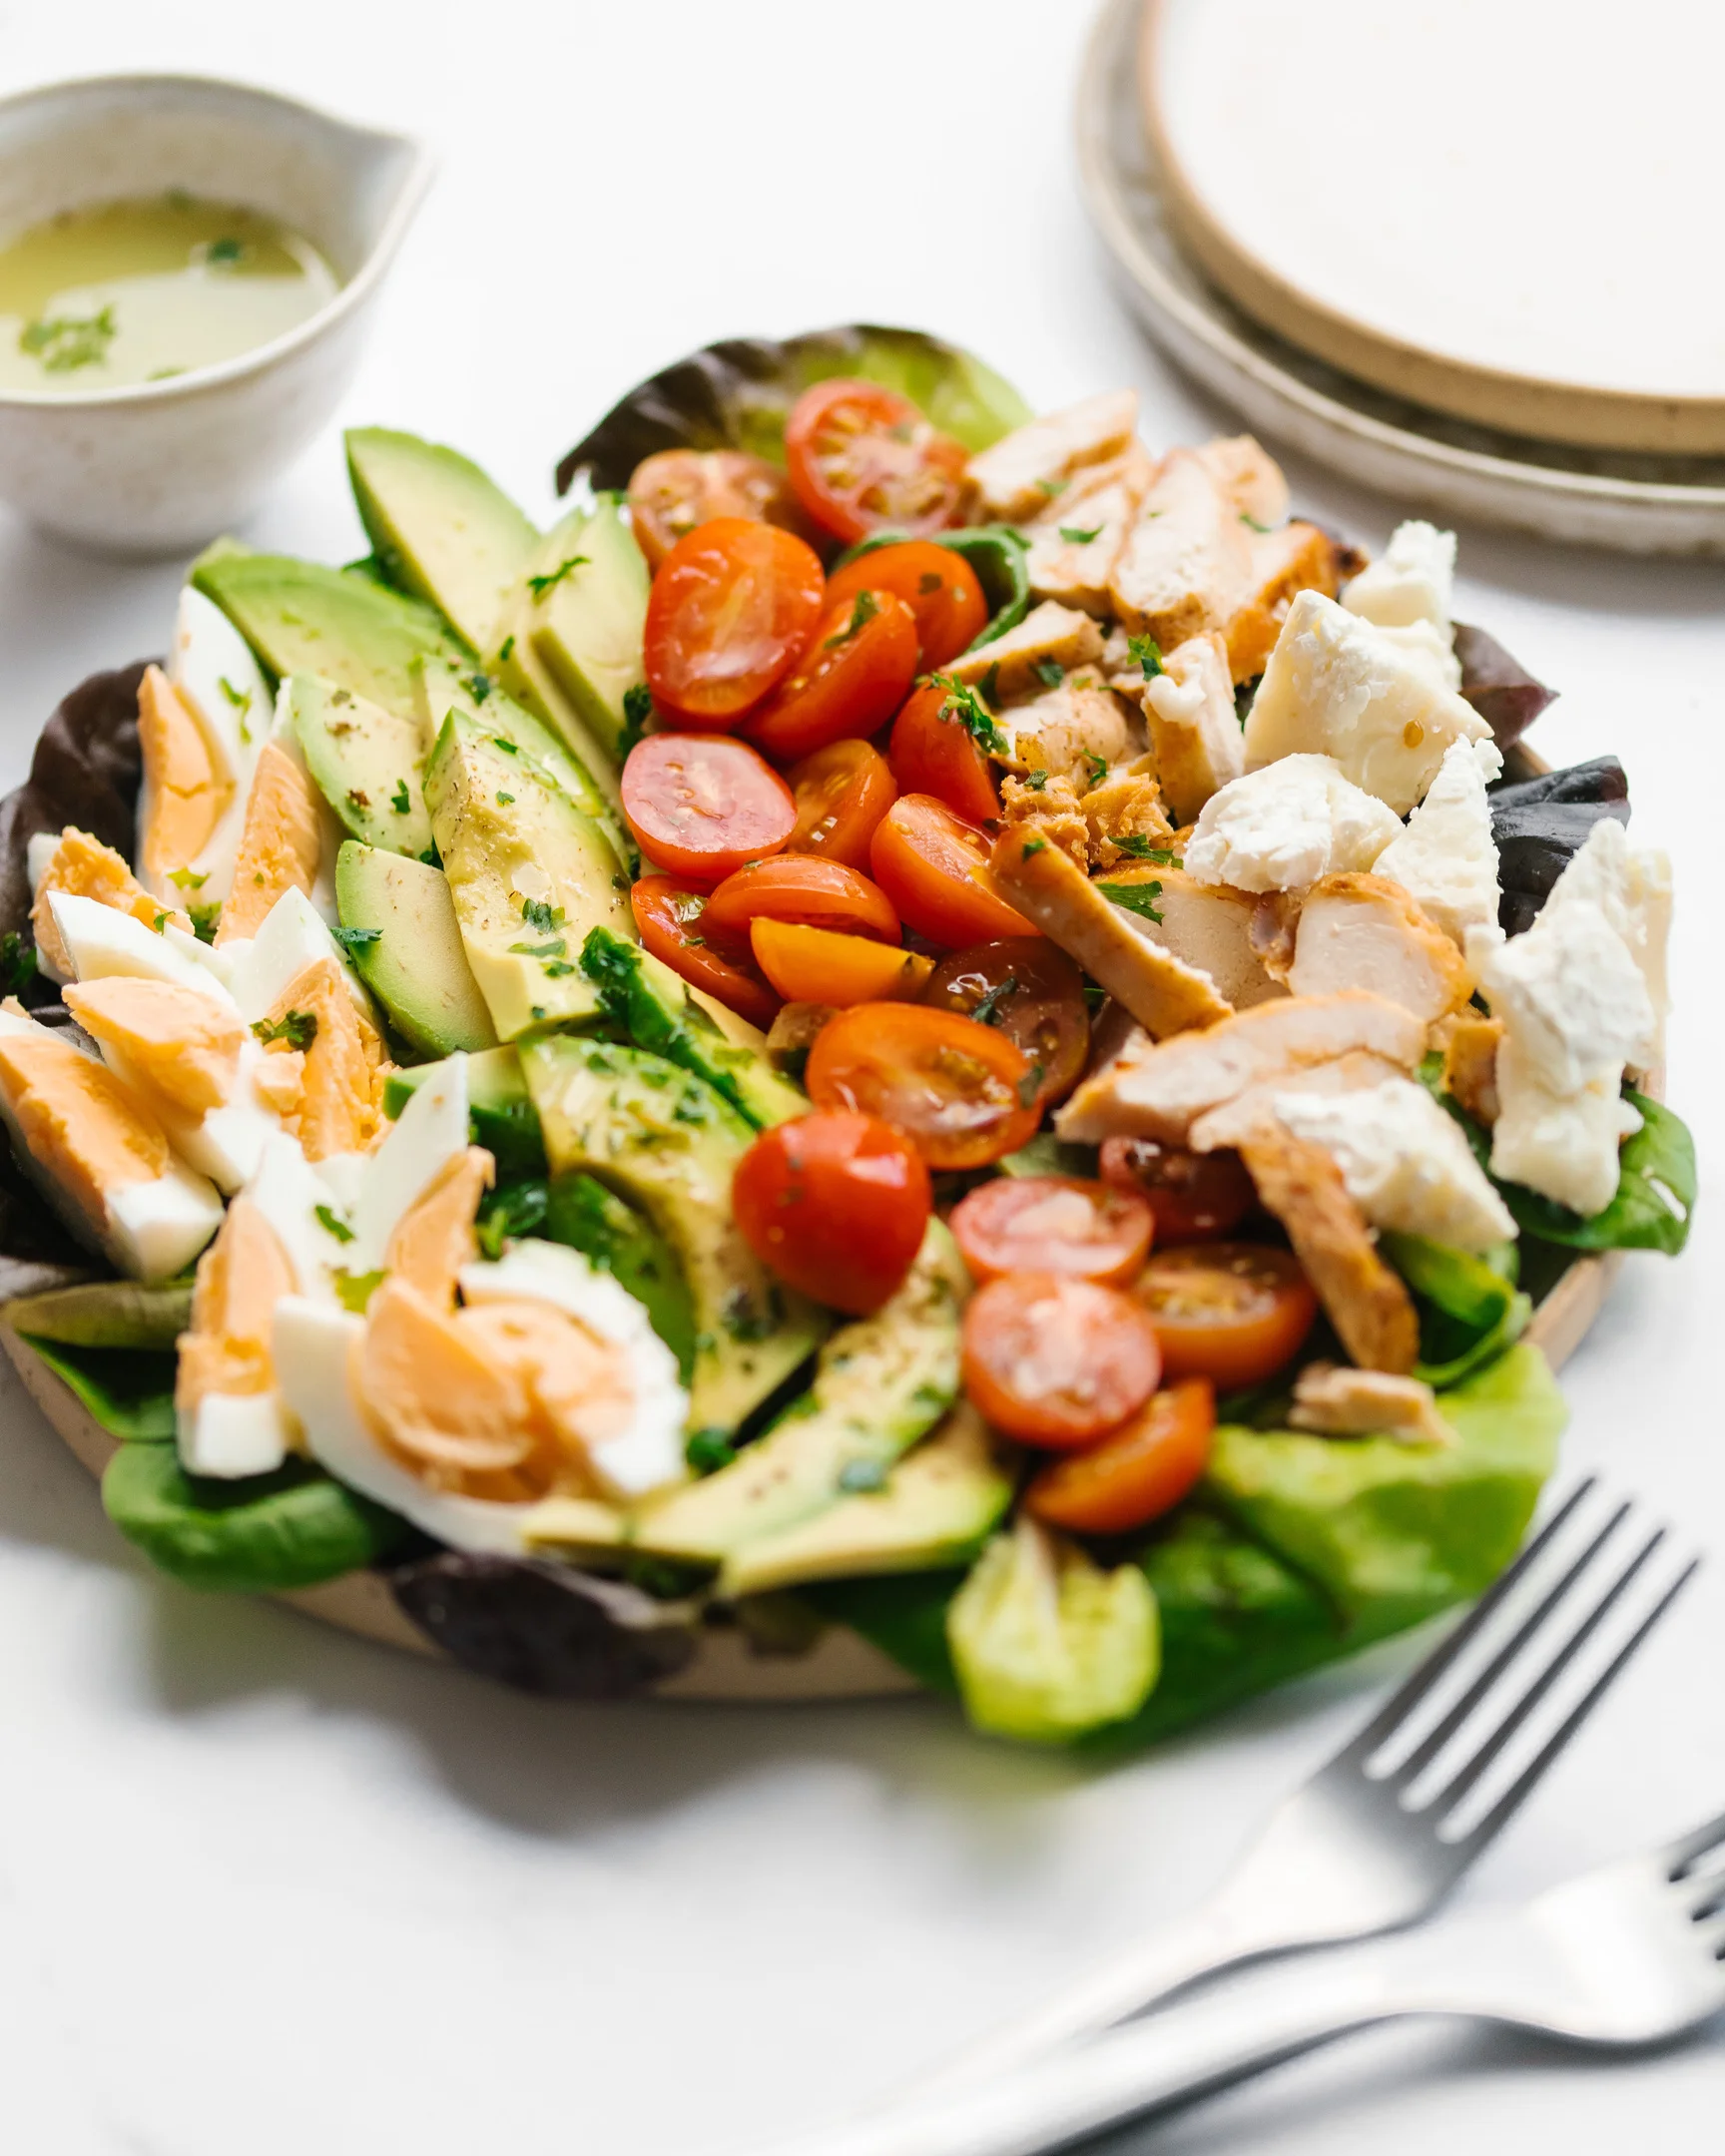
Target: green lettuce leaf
<point x="1000" y="559"/>
<point x="128" y="1390"/>
<point x="105" y="1314"/>
<point x="1469" y="1307"/>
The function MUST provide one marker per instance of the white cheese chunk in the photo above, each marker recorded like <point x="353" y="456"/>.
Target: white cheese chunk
<point x="1404" y="1162"/>
<point x="1563" y="1145"/>
<point x="1283" y="827"/>
<point x="1339" y="686"/>
<point x="1632" y="887"/>
<point x="1446" y="858"/>
<point x="1412" y="580"/>
<point x="1571" y="997"/>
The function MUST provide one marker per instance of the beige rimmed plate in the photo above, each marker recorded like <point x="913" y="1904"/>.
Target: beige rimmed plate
<point x="1635" y="502"/>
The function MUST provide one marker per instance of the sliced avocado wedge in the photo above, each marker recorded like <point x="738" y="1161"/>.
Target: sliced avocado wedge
<point x="301" y="618"/>
<point x="503" y="1117"/>
<point x="668" y="1143"/>
<point x="400" y="929"/>
<point x="581" y="1212"/>
<point x="530" y="877"/>
<point x="882" y="1382"/>
<point x="440" y="528"/>
<point x="937" y="1506"/>
<point x="663" y="1015"/>
<point x="588" y="611"/>
<point x="366" y="762"/>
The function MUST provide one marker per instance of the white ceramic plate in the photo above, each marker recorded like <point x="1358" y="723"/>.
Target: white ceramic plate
<point x="1639" y="504"/>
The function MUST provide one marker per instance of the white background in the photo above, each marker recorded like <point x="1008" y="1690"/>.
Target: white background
<point x="265" y="1890"/>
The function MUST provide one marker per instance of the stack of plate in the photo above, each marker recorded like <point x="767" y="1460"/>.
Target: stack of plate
<point x="1434" y="247"/>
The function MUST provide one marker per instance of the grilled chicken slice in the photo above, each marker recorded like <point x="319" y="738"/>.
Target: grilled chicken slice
<point x="1075" y="731"/>
<point x="1206" y="925"/>
<point x="1194" y="728"/>
<point x="1297" y="557"/>
<point x="1048" y="635"/>
<point x="1126" y="815"/>
<point x="1251" y="1112"/>
<point x="1162" y="992"/>
<point x="1186" y="567"/>
<point x="1469" y="1043"/>
<point x="1155" y="1090"/>
<point x="1249" y="476"/>
<point x="1341" y="1403"/>
<point x="1363" y="931"/>
<point x="1363" y="1299"/>
<point x="1077" y="540"/>
<point x="1050" y="810"/>
<point x="1032" y="467"/>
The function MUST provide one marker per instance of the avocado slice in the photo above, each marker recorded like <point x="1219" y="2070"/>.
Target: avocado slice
<point x="530" y="877"/>
<point x="621" y="1241"/>
<point x="503" y="1117"/>
<point x="936" y="1507"/>
<point x="660" y="1012"/>
<point x="366" y="761"/>
<point x="302" y="618"/>
<point x="668" y="1143"/>
<point x="588" y="613"/>
<point x="882" y="1382"/>
<point x="520" y="666"/>
<point x="442" y="689"/>
<point x="412" y="962"/>
<point x="439" y="527"/>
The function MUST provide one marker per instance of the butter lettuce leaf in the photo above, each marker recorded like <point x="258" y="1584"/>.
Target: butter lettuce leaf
<point x="1655" y="1201"/>
<point x="128" y="1390"/>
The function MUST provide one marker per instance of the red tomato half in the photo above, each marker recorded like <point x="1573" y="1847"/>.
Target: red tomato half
<point x="731" y="610"/>
<point x="933" y="865"/>
<point x="933" y="752"/>
<point x="672" y="493"/>
<point x="1231" y="1312"/>
<point x="834" y="1204"/>
<point x="1052" y="1224"/>
<point x="1056" y="1361"/>
<point x="669" y="917"/>
<point x="847" y="684"/>
<point x="700" y="805"/>
<point x="1195" y="1197"/>
<point x="863" y="459"/>
<point x="797" y="887"/>
<point x="841" y="794"/>
<point x="959" y="1090"/>
<point x="1136" y="1473"/>
<point x="938" y="586"/>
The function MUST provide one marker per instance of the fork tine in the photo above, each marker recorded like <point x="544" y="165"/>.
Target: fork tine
<point x="1435" y="1741"/>
<point x="1688" y="1852"/>
<point x="1516" y="1793"/>
<point x="1415" y="1688"/>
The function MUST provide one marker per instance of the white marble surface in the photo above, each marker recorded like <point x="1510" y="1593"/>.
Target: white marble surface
<point x="265" y="1889"/>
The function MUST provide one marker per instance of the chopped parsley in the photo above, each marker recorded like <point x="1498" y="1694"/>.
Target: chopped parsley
<point x="354" y="1290"/>
<point x="204" y="920"/>
<point x="1054" y="489"/>
<point x="297" y="1027"/>
<point x="333" y="1223"/>
<point x="1031" y="1085"/>
<point x="478" y="686"/>
<point x="225" y="253"/>
<point x="431" y="858"/>
<point x="962" y="704"/>
<point x="507" y="649"/>
<point x="238" y="698"/>
<point x="1037" y="781"/>
<point x="1137" y="847"/>
<point x="502" y="740"/>
<point x="18" y="962"/>
<point x="707" y="1450"/>
<point x="637" y="710"/>
<point x="1032" y="845"/>
<point x="1147" y="652"/>
<point x="538" y="914"/>
<point x="554" y="949"/>
<point x="356" y="938"/>
<point x="1139" y="898"/>
<point x="986" y="1009"/>
<point x="862" y="612"/>
<point x="557" y="967"/>
<point x="515" y="1209"/>
<point x="541" y="586"/>
<point x="1254" y="523"/>
<point x="1095" y="769"/>
<point x="991" y="684"/>
<point x="63" y="343"/>
<point x="1079" y="534"/>
<point x="504" y="800"/>
<point x="1050" y="672"/>
<point x="183" y="880"/>
<point x="401" y="800"/>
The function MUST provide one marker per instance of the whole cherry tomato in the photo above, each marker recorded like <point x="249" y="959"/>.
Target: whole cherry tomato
<point x="938" y="586"/>
<point x="959" y="1091"/>
<point x="933" y="865"/>
<point x="1054" y="1360"/>
<point x="1052" y="1224"/>
<point x="700" y="805"/>
<point x="814" y="965"/>
<point x="800" y="887"/>
<point x="667" y="916"/>
<point x="1033" y="992"/>
<point x="836" y="1204"/>
<point x="841" y="793"/>
<point x="1196" y="1197"/>
<point x="732" y="610"/>
<point x="863" y="459"/>
<point x="1231" y="1312"/>
<point x="847" y="684"/>
<point x="933" y="752"/>
<point x="1136" y="1474"/>
<point x="676" y="491"/>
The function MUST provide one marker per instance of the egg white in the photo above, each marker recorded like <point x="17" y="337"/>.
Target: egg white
<point x="102" y="941"/>
<point x="292" y="936"/>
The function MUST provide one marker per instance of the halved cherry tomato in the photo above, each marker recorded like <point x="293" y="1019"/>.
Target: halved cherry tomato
<point x="836" y="1204"/>
<point x="700" y="805"/>
<point x="933" y="865"/>
<point x="731" y="612"/>
<point x="801" y="888"/>
<point x="668" y="915"/>
<point x="842" y="793"/>
<point x="848" y="683"/>
<point x="1195" y="1197"/>
<point x="863" y="458"/>
<point x="955" y="1088"/>
<point x="932" y="752"/>
<point x="1054" y="1360"/>
<point x="938" y="586"/>
<point x="1234" y="1311"/>
<point x="669" y="494"/>
<point x="1052" y="1224"/>
<point x="1137" y="1474"/>
<point x="813" y="965"/>
<point x="1033" y="992"/>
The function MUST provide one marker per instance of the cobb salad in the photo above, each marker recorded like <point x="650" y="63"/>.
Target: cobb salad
<point x="920" y="1018"/>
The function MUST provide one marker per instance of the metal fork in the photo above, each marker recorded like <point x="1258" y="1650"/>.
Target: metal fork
<point x="1363" y="1847"/>
<point x="1630" y="1955"/>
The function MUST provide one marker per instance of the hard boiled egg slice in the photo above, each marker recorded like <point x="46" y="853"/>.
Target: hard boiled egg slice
<point x="216" y="673"/>
<point x="98" y="1153"/>
<point x="430" y="1133"/>
<point x="315" y="1350"/>
<point x="230" y="1417"/>
<point x="100" y="940"/>
<point x="184" y="800"/>
<point x="292" y="937"/>
<point x="308" y="1219"/>
<point x="649" y="1452"/>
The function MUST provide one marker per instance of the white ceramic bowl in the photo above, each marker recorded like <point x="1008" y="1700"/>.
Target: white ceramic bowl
<point x="160" y="468"/>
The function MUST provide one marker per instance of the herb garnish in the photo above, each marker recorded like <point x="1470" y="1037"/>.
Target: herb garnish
<point x="862" y="612"/>
<point x="333" y="1223"/>
<point x="297" y="1027"/>
<point x="183" y="880"/>
<point x="1147" y="652"/>
<point x="504" y="800"/>
<point x="65" y="342"/>
<point x="1078" y="535"/>
<point x="1137" y="898"/>
<point x="1138" y="847"/>
<point x="1095" y="769"/>
<point x="355" y="938"/>
<point x="554" y="949"/>
<point x="204" y="920"/>
<point x="986" y="1009"/>
<point x="539" y="586"/>
<point x="962" y="704"/>
<point x="17" y="961"/>
<point x="538" y="914"/>
<point x="401" y="800"/>
<point x="637" y="710"/>
<point x="225" y="253"/>
<point x="354" y="1290"/>
<point x="1050" y="672"/>
<point x="1256" y="526"/>
<point x="1031" y="1085"/>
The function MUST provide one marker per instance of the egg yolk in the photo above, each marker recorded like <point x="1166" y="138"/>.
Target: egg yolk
<point x="341" y="1106"/>
<point x="435" y="1238"/>
<point x="83" y="868"/>
<point x="280" y="844"/>
<point x="444" y="1405"/>
<point x="78" y="1121"/>
<point x="178" y="1043"/>
<point x="187" y="788"/>
<point x="240" y="1277"/>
